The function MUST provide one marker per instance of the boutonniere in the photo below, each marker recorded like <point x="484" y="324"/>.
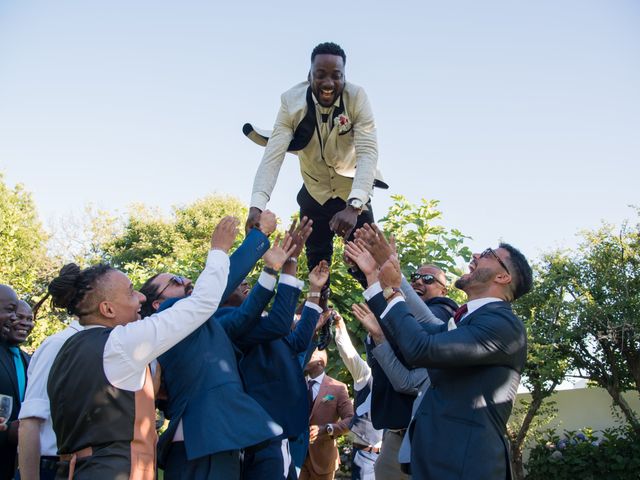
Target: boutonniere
<point x="327" y="398"/>
<point x="343" y="122"/>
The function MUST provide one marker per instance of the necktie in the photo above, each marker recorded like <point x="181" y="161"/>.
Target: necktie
<point x="325" y="127"/>
<point x="457" y="316"/>
<point x="20" y="374"/>
<point x="310" y="385"/>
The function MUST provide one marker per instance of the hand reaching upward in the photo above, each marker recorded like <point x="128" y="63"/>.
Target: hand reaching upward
<point x="279" y="252"/>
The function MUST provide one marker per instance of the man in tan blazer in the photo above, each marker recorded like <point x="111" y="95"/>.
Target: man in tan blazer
<point x="331" y="410"/>
<point x="329" y="124"/>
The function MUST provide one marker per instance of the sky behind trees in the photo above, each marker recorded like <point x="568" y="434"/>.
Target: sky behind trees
<point x="522" y="118"/>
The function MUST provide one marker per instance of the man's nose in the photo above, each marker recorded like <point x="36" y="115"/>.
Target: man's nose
<point x="141" y="297"/>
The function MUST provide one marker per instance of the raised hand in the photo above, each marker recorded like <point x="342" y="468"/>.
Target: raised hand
<point x="368" y="320"/>
<point x="268" y="222"/>
<point x="390" y="274"/>
<point x="253" y="220"/>
<point x="300" y="234"/>
<point x="279" y="252"/>
<point x="361" y="257"/>
<point x="318" y="276"/>
<point x="224" y="234"/>
<point x="371" y="238"/>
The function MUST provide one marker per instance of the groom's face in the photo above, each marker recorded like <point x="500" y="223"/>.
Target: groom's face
<point x="327" y="78"/>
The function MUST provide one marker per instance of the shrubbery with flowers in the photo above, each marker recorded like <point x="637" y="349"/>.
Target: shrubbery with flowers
<point x="611" y="454"/>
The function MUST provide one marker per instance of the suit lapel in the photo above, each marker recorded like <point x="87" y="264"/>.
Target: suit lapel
<point x="306" y="128"/>
<point x="483" y="308"/>
<point x="6" y="359"/>
<point x="324" y="387"/>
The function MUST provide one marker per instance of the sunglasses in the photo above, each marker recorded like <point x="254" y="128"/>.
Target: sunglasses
<point x="426" y="278"/>
<point x="491" y="251"/>
<point x="175" y="280"/>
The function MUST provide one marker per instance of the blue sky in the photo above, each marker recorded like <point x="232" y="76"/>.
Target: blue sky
<point x="522" y="118"/>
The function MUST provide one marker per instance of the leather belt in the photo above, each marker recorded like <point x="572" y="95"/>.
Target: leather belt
<point x="400" y="431"/>
<point x="366" y="448"/>
<point x="73" y="457"/>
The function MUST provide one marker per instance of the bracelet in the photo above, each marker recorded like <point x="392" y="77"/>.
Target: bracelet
<point x="292" y="260"/>
<point x="270" y="271"/>
<point x="389" y="292"/>
<point x="314" y="295"/>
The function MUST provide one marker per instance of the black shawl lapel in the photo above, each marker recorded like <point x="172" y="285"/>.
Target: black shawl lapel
<point x="306" y="128"/>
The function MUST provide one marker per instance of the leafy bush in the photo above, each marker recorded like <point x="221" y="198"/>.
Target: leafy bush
<point x="610" y="454"/>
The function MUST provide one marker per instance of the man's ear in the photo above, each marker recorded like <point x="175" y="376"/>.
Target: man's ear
<point x="106" y="310"/>
<point x="156" y="305"/>
<point x="309" y="76"/>
<point x="503" y="278"/>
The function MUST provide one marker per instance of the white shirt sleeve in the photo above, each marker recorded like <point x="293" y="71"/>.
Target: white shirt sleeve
<point x="131" y="347"/>
<point x="36" y="398"/>
<point x="358" y="368"/>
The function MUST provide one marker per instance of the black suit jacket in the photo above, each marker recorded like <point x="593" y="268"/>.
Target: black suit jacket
<point x="9" y="386"/>
<point x="458" y="431"/>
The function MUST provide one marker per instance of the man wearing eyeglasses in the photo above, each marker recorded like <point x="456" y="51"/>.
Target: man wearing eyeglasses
<point x="458" y="430"/>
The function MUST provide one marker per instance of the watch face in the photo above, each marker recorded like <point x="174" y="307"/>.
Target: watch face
<point x="356" y="203"/>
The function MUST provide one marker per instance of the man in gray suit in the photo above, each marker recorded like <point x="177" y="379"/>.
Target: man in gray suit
<point x="458" y="430"/>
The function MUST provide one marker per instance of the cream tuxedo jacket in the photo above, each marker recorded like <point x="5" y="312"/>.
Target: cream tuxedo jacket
<point x="328" y="170"/>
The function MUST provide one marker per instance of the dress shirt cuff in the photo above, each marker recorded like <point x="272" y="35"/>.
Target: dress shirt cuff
<point x="360" y="195"/>
<point x="259" y="200"/>
<point x="267" y="281"/>
<point x="313" y="305"/>
<point x="372" y="291"/>
<point x="38" y="408"/>
<point x="391" y="304"/>
<point x="291" y="281"/>
<point x="216" y="255"/>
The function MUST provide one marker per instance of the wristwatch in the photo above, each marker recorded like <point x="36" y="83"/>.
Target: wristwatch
<point x="329" y="428"/>
<point x="389" y="292"/>
<point x="356" y="204"/>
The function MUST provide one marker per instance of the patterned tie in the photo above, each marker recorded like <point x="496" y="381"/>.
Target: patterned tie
<point x="310" y="385"/>
<point x="457" y="316"/>
<point x="20" y="373"/>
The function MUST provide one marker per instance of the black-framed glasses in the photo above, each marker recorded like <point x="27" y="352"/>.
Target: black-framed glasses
<point x="491" y="251"/>
<point x="426" y="278"/>
<point x="175" y="280"/>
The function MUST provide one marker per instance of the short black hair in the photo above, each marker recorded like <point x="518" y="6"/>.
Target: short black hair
<point x="150" y="291"/>
<point x="329" y="48"/>
<point x="523" y="273"/>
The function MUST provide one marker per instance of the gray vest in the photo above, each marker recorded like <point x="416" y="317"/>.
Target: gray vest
<point x="361" y="425"/>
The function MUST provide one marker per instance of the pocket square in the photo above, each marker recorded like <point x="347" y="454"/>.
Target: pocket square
<point x="451" y="325"/>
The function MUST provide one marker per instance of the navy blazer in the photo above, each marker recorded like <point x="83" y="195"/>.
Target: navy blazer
<point x="459" y="428"/>
<point x="201" y="374"/>
<point x="271" y="368"/>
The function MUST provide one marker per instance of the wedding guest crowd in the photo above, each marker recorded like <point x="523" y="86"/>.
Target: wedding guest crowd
<point x="238" y="370"/>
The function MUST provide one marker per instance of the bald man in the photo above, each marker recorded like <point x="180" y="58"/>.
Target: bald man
<point x="13" y="374"/>
<point x="430" y="283"/>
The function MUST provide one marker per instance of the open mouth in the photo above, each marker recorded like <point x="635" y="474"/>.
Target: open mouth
<point x="326" y="94"/>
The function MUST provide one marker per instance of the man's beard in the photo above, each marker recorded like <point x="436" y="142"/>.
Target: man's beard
<point x="479" y="275"/>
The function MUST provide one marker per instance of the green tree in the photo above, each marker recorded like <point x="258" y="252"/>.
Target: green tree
<point x="603" y="279"/>
<point x="25" y="264"/>
<point x="546" y="315"/>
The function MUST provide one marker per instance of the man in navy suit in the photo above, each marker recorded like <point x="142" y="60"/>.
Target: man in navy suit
<point x="274" y="377"/>
<point x="16" y="323"/>
<point x="206" y="397"/>
<point x="459" y="428"/>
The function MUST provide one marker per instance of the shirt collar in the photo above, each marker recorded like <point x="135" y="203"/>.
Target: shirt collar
<point x="474" y="305"/>
<point x="317" y="379"/>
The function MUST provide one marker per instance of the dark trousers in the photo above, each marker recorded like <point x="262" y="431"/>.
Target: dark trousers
<point x="320" y="243"/>
<point x="272" y="462"/>
<point x="219" y="466"/>
<point x="48" y="468"/>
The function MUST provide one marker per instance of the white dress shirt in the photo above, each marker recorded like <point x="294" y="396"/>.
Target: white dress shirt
<point x="316" y="386"/>
<point x="131" y="347"/>
<point x="36" y="399"/>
